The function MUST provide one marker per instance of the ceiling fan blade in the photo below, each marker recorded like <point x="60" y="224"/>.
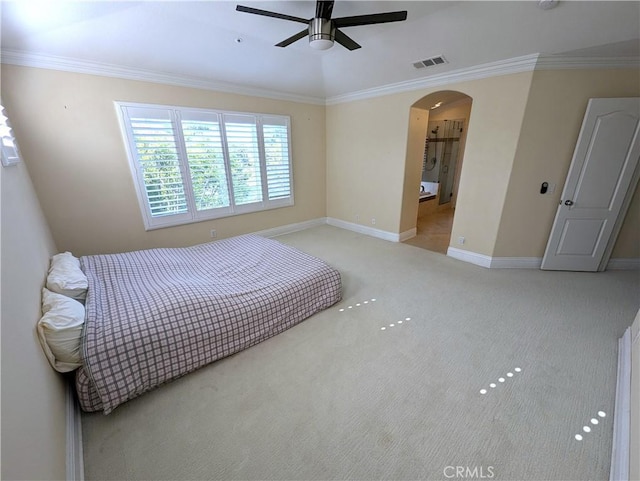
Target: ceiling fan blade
<point x="370" y="19"/>
<point x="324" y="9"/>
<point x="265" y="13"/>
<point x="345" y="40"/>
<point x="293" y="38"/>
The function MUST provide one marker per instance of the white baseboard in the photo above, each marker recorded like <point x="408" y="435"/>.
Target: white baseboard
<point x="495" y="262"/>
<point x="460" y="254"/>
<point x="289" y="228"/>
<point x="516" y="262"/>
<point x="622" y="414"/>
<point x="361" y="229"/>
<point x="370" y="231"/>
<point x="75" y="461"/>
<point x="527" y="262"/>
<point x="621" y="264"/>
<point x="468" y="256"/>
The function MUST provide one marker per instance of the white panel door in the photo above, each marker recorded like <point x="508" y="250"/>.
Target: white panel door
<point x="604" y="161"/>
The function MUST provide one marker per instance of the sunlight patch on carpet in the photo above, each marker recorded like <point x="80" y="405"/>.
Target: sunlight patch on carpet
<point x="394" y="324"/>
<point x="493" y="385"/>
<point x="588" y="429"/>
<point x="357" y="304"/>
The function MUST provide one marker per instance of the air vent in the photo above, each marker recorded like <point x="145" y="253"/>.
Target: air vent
<point x="430" y="61"/>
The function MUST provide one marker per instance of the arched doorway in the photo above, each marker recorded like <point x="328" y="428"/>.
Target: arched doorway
<point x="438" y="125"/>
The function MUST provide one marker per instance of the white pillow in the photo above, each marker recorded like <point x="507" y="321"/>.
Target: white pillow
<point x="60" y="330"/>
<point x="65" y="276"/>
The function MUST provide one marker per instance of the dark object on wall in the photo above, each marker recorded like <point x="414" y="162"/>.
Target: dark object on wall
<point x="544" y="187"/>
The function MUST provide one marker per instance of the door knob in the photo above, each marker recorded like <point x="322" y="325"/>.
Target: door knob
<point x="568" y="202"/>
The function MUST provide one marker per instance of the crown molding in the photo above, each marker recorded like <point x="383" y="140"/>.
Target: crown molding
<point x="526" y="63"/>
<point x="561" y="62"/>
<point x="51" y="62"/>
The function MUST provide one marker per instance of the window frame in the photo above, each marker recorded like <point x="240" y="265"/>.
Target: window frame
<point x="8" y="145"/>
<point x="176" y="115"/>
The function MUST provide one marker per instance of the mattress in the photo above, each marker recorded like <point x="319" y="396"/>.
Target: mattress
<point x="155" y="315"/>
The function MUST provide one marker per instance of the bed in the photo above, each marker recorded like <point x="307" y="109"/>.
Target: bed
<point x="158" y="314"/>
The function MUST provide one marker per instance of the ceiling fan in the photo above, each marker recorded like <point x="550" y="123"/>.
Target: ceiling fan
<point x="323" y="30"/>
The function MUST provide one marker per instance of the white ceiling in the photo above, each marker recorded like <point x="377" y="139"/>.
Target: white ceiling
<point x="199" y="39"/>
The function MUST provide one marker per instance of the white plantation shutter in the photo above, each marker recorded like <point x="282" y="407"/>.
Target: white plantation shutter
<point x="8" y="146"/>
<point x="244" y="158"/>
<point x="278" y="164"/>
<point x="205" y="155"/>
<point x="154" y="146"/>
<point x="196" y="164"/>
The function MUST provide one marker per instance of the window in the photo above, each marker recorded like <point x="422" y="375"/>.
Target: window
<point x="193" y="164"/>
<point x="8" y="146"/>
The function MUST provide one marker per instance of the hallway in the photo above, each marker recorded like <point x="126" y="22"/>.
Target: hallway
<point x="434" y="231"/>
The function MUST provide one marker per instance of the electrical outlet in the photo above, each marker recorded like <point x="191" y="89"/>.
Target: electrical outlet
<point x="461" y="240"/>
<point x="214" y="234"/>
<point x="357" y="218"/>
<point x="373" y="221"/>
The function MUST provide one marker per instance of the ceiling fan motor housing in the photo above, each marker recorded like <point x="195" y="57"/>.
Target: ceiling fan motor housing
<point x="323" y="30"/>
<point x="322" y="33"/>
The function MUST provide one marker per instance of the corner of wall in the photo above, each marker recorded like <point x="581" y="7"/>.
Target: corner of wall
<point x="33" y="395"/>
<point x="75" y="457"/>
<point x="493" y="134"/>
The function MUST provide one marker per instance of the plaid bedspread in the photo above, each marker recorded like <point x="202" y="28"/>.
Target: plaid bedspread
<point x="155" y="315"/>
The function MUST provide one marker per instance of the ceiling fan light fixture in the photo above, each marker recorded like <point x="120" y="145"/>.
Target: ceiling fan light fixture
<point x="547" y="4"/>
<point x="323" y="31"/>
<point x="321" y="34"/>
<point x="320" y="43"/>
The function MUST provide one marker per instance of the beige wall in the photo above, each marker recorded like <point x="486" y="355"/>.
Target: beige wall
<point x="418" y="120"/>
<point x="67" y="127"/>
<point x="627" y="244"/>
<point x="522" y="130"/>
<point x="350" y="159"/>
<point x="366" y="150"/>
<point x="367" y="147"/>
<point x="555" y="109"/>
<point x="492" y="136"/>
<point x="33" y="394"/>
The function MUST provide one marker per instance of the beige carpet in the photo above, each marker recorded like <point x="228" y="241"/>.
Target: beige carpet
<point x="337" y="397"/>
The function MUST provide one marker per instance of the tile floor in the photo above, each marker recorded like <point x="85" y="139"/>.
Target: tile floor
<point x="434" y="231"/>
